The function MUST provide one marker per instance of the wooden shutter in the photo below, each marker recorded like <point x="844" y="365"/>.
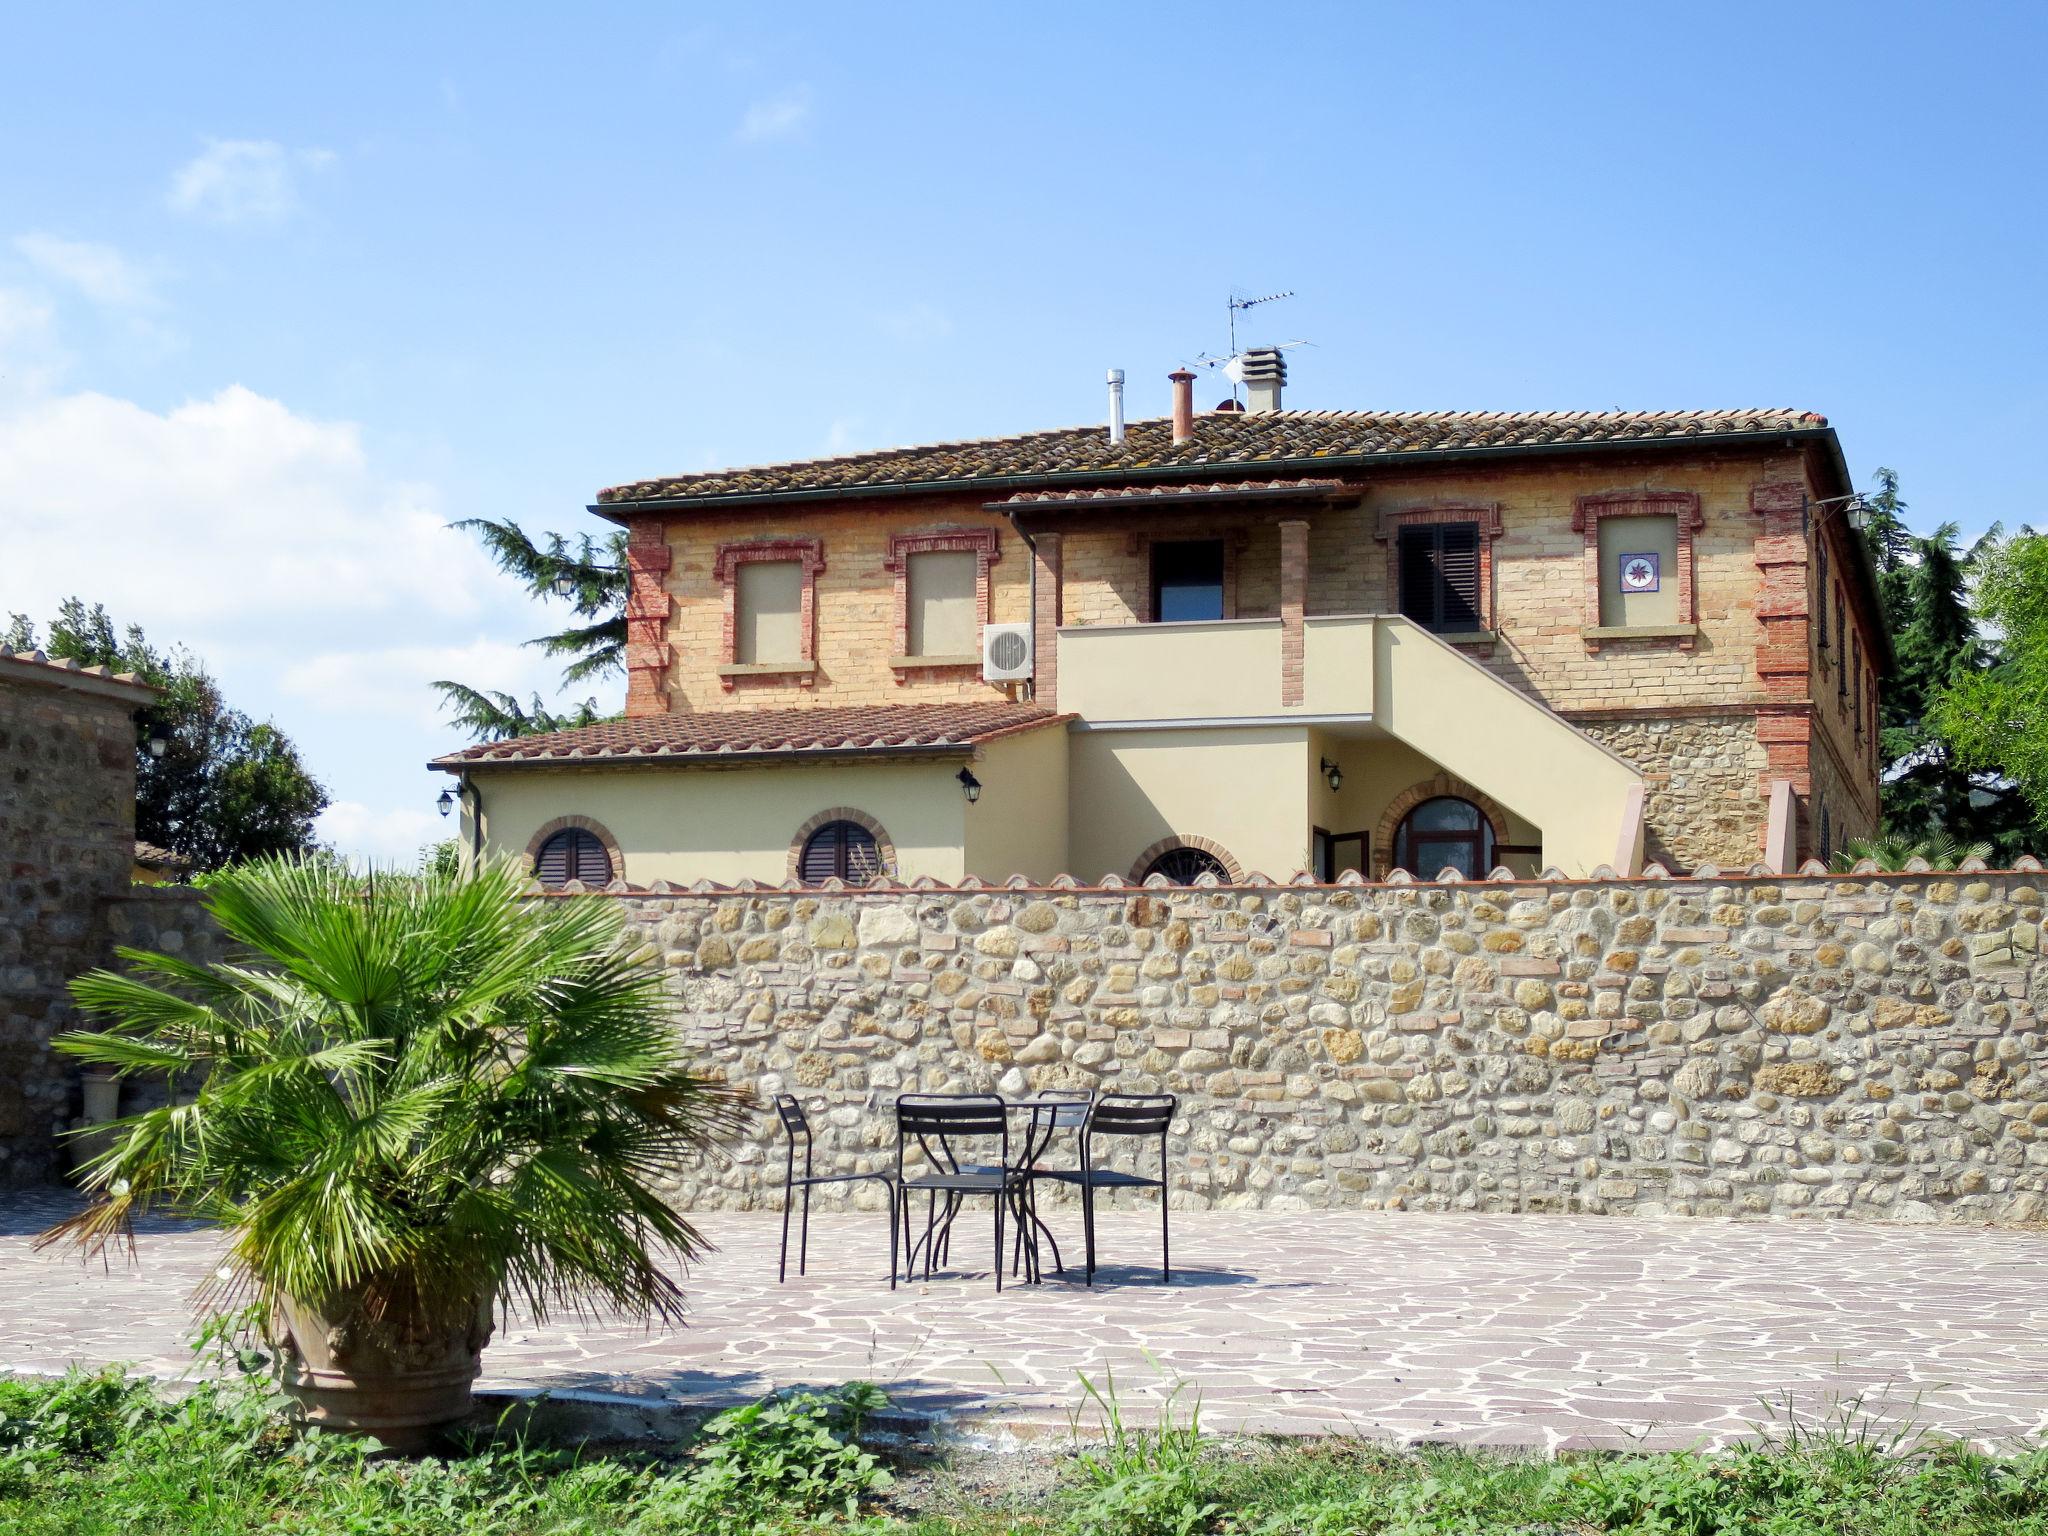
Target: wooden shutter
<point x="843" y="849"/>
<point x="1458" y="567"/>
<point x="551" y="866"/>
<point x="573" y="854"/>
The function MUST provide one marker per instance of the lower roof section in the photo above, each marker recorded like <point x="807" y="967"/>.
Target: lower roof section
<point x="818" y="732"/>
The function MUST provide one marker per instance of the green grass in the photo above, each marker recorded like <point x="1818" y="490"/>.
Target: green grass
<point x="98" y="1454"/>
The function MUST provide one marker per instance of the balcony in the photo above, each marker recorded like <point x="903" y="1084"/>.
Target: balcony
<point x="1377" y="674"/>
<point x="1228" y="669"/>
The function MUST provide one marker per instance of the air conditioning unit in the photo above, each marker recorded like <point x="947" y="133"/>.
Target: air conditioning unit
<point x="1005" y="652"/>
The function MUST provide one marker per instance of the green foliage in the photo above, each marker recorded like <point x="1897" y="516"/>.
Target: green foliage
<point x="1924" y="587"/>
<point x="442" y="860"/>
<point x="93" y="1455"/>
<point x="226" y="787"/>
<point x="1892" y="853"/>
<point x="423" y="1090"/>
<point x="1142" y="1482"/>
<point x="792" y="1454"/>
<point x="1996" y="717"/>
<point x="595" y="570"/>
<point x="489" y="715"/>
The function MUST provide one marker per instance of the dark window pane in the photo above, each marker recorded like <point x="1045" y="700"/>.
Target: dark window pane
<point x="1445" y="815"/>
<point x="1438" y="569"/>
<point x="1445" y="833"/>
<point x="1187" y="581"/>
<point x="1184" y="866"/>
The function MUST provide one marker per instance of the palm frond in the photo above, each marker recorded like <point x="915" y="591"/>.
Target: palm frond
<point x="424" y="1085"/>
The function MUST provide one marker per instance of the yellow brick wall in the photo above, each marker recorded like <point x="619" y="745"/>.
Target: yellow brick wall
<point x="856" y="604"/>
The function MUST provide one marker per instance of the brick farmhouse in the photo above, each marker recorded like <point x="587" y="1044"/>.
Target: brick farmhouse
<point x="1229" y="642"/>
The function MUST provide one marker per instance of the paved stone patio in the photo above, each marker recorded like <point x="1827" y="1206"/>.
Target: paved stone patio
<point x="1537" y="1331"/>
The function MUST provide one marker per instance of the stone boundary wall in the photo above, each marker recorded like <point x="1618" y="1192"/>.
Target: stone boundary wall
<point x="1864" y="1045"/>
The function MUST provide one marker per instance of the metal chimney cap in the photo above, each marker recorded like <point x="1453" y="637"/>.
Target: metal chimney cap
<point x="1264" y="363"/>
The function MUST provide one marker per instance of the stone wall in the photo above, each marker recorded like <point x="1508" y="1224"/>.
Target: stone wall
<point x="1703" y="777"/>
<point x="1849" y="1046"/>
<point x="67" y="841"/>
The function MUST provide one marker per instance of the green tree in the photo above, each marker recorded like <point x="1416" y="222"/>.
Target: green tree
<point x="1924" y="586"/>
<point x="226" y="787"/>
<point x="1994" y="718"/>
<point x="591" y="577"/>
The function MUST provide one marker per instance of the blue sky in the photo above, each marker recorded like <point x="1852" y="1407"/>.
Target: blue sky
<point x="283" y="292"/>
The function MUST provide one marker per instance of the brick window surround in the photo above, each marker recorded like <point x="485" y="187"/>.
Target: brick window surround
<point x="1486" y="514"/>
<point x="982" y="543"/>
<point x="1138" y="544"/>
<point x="810" y="553"/>
<point x="1442" y="787"/>
<point x="1206" y="845"/>
<point x="1681" y="506"/>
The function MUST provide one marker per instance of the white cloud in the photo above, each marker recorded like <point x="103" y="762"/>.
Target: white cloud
<point x="398" y="680"/>
<point x="243" y="181"/>
<point x="386" y="837"/>
<point x="99" y="272"/>
<point x="782" y="116"/>
<point x="231" y="515"/>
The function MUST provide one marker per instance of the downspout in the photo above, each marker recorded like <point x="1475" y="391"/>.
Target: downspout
<point x="476" y="820"/>
<point x="1032" y="545"/>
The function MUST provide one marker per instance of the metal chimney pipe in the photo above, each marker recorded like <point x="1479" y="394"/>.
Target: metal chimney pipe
<point x="1116" y="405"/>
<point x="1183" y="404"/>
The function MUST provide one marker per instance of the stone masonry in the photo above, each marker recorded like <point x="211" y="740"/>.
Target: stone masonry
<point x="1863" y="1046"/>
<point x="67" y="844"/>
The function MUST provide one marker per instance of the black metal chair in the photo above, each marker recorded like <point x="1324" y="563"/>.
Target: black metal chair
<point x="796" y="1124"/>
<point x="1121" y="1115"/>
<point x="937" y="1122"/>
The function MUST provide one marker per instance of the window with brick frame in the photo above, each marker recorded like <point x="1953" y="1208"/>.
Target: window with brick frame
<point x="1608" y="596"/>
<point x="1821" y="586"/>
<point x="942" y="594"/>
<point x="1856" y="694"/>
<point x="1841" y="628"/>
<point x="771" y="607"/>
<point x="1440" y="564"/>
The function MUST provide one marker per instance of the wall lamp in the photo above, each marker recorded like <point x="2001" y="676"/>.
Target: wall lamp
<point x="1334" y="772"/>
<point x="970" y="786"/>
<point x="157" y="746"/>
<point x="446" y="801"/>
<point x="565" y="583"/>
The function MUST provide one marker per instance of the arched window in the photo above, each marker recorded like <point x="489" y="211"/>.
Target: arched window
<point x="1184" y="866"/>
<point x="572" y="854"/>
<point x="1445" y="833"/>
<point x="845" y="849"/>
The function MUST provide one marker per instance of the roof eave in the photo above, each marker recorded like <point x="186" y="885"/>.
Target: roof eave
<point x="623" y="510"/>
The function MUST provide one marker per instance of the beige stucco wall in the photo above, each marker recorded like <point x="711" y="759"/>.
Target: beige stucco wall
<point x="685" y="824"/>
<point x="1019" y="826"/>
<point x="1243" y="789"/>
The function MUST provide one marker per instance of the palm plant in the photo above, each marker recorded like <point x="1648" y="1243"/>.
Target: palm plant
<point x="1891" y="852"/>
<point x="415" y="1096"/>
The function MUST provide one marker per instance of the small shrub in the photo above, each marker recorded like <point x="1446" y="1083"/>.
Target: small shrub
<point x="792" y="1454"/>
<point x="1143" y="1482"/>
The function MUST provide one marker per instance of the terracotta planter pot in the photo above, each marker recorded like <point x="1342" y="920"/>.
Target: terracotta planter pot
<point x="398" y="1378"/>
<point x="102" y="1097"/>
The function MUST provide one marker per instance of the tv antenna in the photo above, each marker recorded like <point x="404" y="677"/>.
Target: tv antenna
<point x="1237" y="304"/>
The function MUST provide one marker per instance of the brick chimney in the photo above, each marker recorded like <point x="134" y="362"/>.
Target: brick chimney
<point x="1183" y="404"/>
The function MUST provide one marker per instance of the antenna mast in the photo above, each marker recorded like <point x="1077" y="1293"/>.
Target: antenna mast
<point x="1236" y="304"/>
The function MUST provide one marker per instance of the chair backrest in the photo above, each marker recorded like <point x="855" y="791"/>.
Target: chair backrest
<point x="951" y="1114"/>
<point x="792" y="1115"/>
<point x="945" y="1118"/>
<point x="1131" y="1114"/>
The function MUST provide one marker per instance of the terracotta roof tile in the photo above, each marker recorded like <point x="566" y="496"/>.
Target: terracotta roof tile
<point x="99" y="679"/>
<point x="1221" y="439"/>
<point x="822" y="731"/>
